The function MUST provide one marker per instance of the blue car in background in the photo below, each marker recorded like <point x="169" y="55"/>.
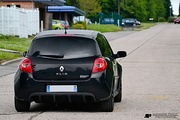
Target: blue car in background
<point x="130" y="22"/>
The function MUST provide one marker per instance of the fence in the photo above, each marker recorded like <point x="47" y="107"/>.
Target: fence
<point x="113" y="18"/>
<point x="19" y="22"/>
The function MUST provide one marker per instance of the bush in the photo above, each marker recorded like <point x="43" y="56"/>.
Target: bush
<point x="4" y="36"/>
<point x="171" y="19"/>
<point x="79" y="25"/>
<point x="162" y="19"/>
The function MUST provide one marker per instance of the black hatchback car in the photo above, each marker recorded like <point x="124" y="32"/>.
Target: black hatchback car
<point x="74" y="67"/>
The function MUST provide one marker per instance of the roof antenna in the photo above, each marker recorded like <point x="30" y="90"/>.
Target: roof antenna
<point x="65" y="27"/>
<point x="65" y="31"/>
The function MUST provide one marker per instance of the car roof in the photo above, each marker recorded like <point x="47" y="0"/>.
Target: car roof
<point x="79" y="33"/>
<point x="129" y="18"/>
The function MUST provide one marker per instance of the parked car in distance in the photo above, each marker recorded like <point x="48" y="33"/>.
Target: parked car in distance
<point x="130" y="22"/>
<point x="123" y="22"/>
<point x="56" y="24"/>
<point x="108" y="21"/>
<point x="177" y="20"/>
<point x="137" y="22"/>
<point x="65" y="24"/>
<point x="76" y="67"/>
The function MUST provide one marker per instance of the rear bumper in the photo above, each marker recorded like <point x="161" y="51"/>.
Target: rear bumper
<point x="176" y="22"/>
<point x="79" y="97"/>
<point x="96" y="89"/>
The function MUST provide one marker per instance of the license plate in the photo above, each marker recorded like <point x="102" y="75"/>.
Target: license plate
<point x="61" y="88"/>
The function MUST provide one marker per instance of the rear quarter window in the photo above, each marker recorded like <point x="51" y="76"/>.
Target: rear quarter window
<point x="104" y="46"/>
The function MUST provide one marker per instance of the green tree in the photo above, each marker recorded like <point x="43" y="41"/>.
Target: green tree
<point x="128" y="8"/>
<point x="134" y="8"/>
<point x="167" y="7"/>
<point x="151" y="9"/>
<point x="109" y="6"/>
<point x="91" y="7"/>
<point x="72" y="3"/>
<point x="141" y="11"/>
<point x="160" y="9"/>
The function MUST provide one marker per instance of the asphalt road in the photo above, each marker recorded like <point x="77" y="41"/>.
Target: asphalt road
<point x="8" y="68"/>
<point x="151" y="82"/>
<point x="116" y="35"/>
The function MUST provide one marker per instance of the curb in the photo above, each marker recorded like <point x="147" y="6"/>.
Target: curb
<point x="10" y="51"/>
<point x="11" y="61"/>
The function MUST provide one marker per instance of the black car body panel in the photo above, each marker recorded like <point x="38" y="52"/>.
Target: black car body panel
<point x="73" y="69"/>
<point x="62" y="68"/>
<point x="29" y="89"/>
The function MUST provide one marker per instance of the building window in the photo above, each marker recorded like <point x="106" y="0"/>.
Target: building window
<point x="18" y="6"/>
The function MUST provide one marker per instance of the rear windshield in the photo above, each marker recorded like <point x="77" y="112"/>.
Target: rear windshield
<point x="64" y="47"/>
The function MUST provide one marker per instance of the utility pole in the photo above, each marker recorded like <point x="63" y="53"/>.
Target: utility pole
<point x="118" y="7"/>
<point x="170" y="7"/>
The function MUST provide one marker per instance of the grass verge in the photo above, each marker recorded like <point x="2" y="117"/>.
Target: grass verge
<point x="113" y="28"/>
<point x="144" y="26"/>
<point x="13" y="43"/>
<point x="104" y="28"/>
<point x="5" y="56"/>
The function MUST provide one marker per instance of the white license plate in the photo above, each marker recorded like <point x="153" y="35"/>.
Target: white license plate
<point x="61" y="88"/>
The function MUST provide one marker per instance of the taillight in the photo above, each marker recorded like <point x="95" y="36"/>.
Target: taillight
<point x="26" y="65"/>
<point x="99" y="65"/>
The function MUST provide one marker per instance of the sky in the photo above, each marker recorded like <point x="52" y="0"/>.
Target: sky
<point x="175" y="6"/>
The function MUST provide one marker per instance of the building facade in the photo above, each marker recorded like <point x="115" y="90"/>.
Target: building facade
<point x="45" y="17"/>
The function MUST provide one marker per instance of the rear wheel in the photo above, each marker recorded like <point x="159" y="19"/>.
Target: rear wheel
<point x="21" y="106"/>
<point x="118" y="97"/>
<point x="107" y="105"/>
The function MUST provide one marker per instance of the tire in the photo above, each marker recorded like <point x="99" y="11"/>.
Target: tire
<point x="107" y="105"/>
<point x="21" y="106"/>
<point x="118" y="97"/>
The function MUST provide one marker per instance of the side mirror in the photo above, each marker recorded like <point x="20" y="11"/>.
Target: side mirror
<point x="120" y="54"/>
<point x="24" y="53"/>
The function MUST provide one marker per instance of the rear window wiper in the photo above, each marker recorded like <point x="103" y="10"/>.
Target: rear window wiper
<point x="51" y="56"/>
